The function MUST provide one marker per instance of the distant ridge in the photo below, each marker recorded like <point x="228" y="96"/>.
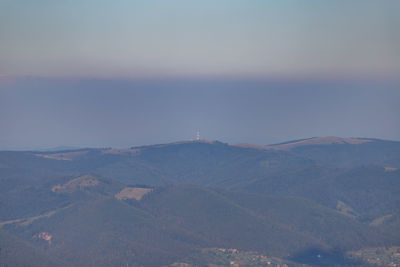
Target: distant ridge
<point x="69" y="155"/>
<point x="287" y="145"/>
<point x="326" y="140"/>
<point x="176" y="143"/>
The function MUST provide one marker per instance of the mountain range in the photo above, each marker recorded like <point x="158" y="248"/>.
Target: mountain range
<point x="321" y="201"/>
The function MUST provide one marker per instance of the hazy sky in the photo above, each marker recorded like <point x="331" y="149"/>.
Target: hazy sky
<point x="40" y="113"/>
<point x="126" y="38"/>
<point x="121" y="73"/>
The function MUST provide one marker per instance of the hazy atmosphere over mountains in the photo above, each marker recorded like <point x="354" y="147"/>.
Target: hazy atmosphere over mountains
<point x="104" y="113"/>
<point x="97" y="74"/>
<point x="199" y="133"/>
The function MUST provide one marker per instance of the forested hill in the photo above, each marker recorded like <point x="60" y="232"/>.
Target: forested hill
<point x="160" y="204"/>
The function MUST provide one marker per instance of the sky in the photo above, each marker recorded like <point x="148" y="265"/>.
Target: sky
<point x="128" y="38"/>
<point x="40" y="113"/>
<point x="96" y="73"/>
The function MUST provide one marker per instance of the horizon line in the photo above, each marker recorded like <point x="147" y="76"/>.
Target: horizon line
<point x="75" y="148"/>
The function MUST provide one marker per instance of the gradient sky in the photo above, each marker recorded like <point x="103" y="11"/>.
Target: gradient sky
<point x="96" y="73"/>
<point x="128" y="38"/>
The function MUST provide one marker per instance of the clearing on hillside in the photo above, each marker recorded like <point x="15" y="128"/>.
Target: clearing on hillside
<point x="133" y="193"/>
<point x="76" y="184"/>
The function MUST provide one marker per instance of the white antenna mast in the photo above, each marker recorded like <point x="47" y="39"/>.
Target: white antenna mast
<point x="198" y="135"/>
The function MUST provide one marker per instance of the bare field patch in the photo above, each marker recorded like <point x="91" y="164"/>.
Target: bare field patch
<point x="120" y="151"/>
<point x="45" y="236"/>
<point x="63" y="156"/>
<point x="133" y="193"/>
<point x="380" y="220"/>
<point x="76" y="184"/>
<point x="327" y="140"/>
<point x="390" y="169"/>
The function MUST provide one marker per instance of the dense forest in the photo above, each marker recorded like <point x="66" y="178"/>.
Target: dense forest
<point x="317" y="202"/>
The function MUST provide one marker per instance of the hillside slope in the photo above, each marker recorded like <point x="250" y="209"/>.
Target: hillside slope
<point x="17" y="253"/>
<point x="156" y="205"/>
